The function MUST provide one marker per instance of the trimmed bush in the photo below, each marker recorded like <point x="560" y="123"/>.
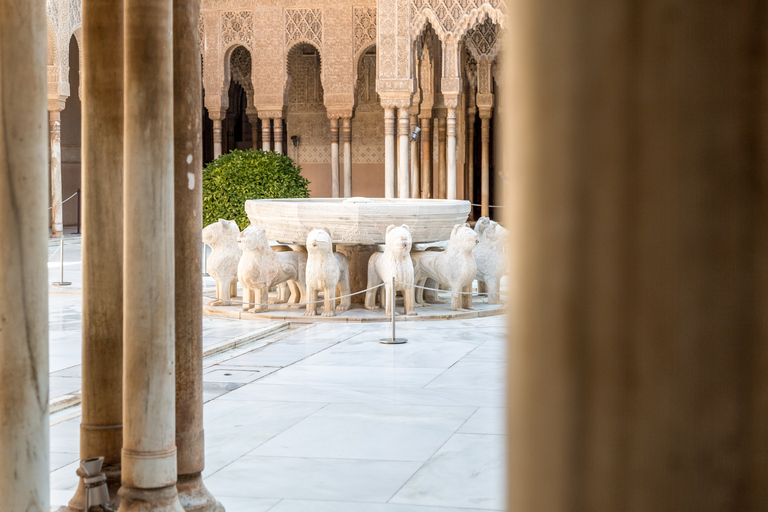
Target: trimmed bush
<point x="233" y="178"/>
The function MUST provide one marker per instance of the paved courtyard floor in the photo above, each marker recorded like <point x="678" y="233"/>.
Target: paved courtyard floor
<point x="323" y="417"/>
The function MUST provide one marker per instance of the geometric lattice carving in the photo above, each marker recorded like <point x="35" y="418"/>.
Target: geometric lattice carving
<point x="483" y="40"/>
<point x="304" y="25"/>
<point x="240" y="69"/>
<point x="237" y="26"/>
<point x="454" y="16"/>
<point x="365" y="27"/>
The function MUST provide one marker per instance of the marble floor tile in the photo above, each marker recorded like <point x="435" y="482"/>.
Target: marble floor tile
<point x="59" y="386"/>
<point x="467" y="471"/>
<point x="359" y="376"/>
<point x="238" y="376"/>
<point x="312" y="479"/>
<point x="232" y="504"/>
<point x="487" y="420"/>
<point x="264" y="392"/>
<point x="471" y="375"/>
<point x="371" y="432"/>
<point x="491" y="350"/>
<point x="339" y="506"/>
<point x="65" y="436"/>
<point x="440" y="397"/>
<point x="59" y="459"/>
<point x="279" y="354"/>
<point x="65" y="478"/>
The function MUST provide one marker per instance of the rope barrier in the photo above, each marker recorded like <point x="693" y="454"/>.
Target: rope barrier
<point x="296" y="303"/>
<point x="64" y="201"/>
<point x="489" y="206"/>
<point x="476" y="294"/>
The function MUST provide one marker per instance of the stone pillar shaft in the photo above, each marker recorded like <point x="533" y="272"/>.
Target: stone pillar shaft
<point x="389" y="152"/>
<point x="149" y="451"/>
<point x="253" y="119"/>
<point x="57" y="223"/>
<point x="101" y="429"/>
<point x="485" y="187"/>
<point x="403" y="171"/>
<point x="426" y="158"/>
<point x="217" y="115"/>
<point x="278" y="128"/>
<point x="471" y="118"/>
<point x="188" y="217"/>
<point x="441" y="154"/>
<point x="415" y="160"/>
<point x="24" y="421"/>
<point x="266" y="133"/>
<point x="451" y="154"/>
<point x="346" y="139"/>
<point x="334" y="157"/>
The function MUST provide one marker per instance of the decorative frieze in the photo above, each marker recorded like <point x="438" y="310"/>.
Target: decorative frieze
<point x="236" y="26"/>
<point x="304" y="25"/>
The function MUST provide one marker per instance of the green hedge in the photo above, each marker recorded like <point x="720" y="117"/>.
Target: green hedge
<point x="233" y="178"/>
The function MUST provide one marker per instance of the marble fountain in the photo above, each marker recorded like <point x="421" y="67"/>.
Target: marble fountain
<point x="358" y="227"/>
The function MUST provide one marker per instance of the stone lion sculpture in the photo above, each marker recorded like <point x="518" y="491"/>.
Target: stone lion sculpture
<point x="455" y="267"/>
<point x="325" y="271"/>
<point x="261" y="268"/>
<point x="395" y="262"/>
<point x="489" y="257"/>
<point x="225" y="255"/>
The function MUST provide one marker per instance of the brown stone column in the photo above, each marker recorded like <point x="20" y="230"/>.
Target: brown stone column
<point x="637" y="155"/>
<point x="101" y="428"/>
<point x="471" y="119"/>
<point x="217" y="115"/>
<point x="426" y="157"/>
<point x="57" y="223"/>
<point x="415" y="160"/>
<point x="442" y="170"/>
<point x="278" y="129"/>
<point x="334" y="157"/>
<point x="346" y="140"/>
<point x="485" y="164"/>
<point x="149" y="433"/>
<point x="266" y="133"/>
<point x="188" y="215"/>
<point x="450" y="171"/>
<point x="24" y="422"/>
<point x="253" y="119"/>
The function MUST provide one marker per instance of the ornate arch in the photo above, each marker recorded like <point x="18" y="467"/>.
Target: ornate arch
<point x="358" y="57"/>
<point x="286" y="70"/>
<point x="450" y="19"/>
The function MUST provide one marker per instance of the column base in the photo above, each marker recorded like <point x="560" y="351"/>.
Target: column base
<point x="165" y="499"/>
<point x="193" y="495"/>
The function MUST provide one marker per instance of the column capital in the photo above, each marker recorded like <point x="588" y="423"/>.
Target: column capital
<point x="217" y="113"/>
<point x="451" y="101"/>
<point x="426" y="112"/>
<point x="57" y="103"/>
<point x="484" y="100"/>
<point x="341" y="113"/>
<point x="395" y="100"/>
<point x="270" y="112"/>
<point x="485" y="112"/>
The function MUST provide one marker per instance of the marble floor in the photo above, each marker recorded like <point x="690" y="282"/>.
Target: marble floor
<point x="323" y="417"/>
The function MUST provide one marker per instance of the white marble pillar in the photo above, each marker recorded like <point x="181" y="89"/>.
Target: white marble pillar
<point x="389" y="152"/>
<point x="24" y="421"/>
<point x="334" y="157"/>
<point x="471" y="118"/>
<point x="450" y="130"/>
<point x="415" y="160"/>
<point x="149" y="466"/>
<point x="441" y="154"/>
<point x="346" y="139"/>
<point x="278" y="129"/>
<point x="485" y="138"/>
<point x="266" y="133"/>
<point x="217" y="115"/>
<point x="426" y="157"/>
<point x="403" y="172"/>
<point x="57" y="222"/>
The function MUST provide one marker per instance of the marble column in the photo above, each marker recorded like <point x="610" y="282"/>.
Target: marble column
<point x="217" y="115"/>
<point x="415" y="160"/>
<point x="389" y="152"/>
<point x="24" y="421"/>
<point x="346" y="140"/>
<point x="426" y="157"/>
<point x="278" y="129"/>
<point x="101" y="426"/>
<point x="149" y="465"/>
<point x="57" y="223"/>
<point x="403" y="172"/>
<point x="253" y="119"/>
<point x="188" y="265"/>
<point x="441" y="154"/>
<point x="451" y="153"/>
<point x="266" y="133"/>
<point x="471" y="118"/>
<point x="639" y="347"/>
<point x="334" y="157"/>
<point x="485" y="165"/>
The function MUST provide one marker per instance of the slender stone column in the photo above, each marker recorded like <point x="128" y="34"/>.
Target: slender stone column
<point x="149" y="450"/>
<point x="217" y="115"/>
<point x="451" y="154"/>
<point x="441" y="154"/>
<point x="471" y="119"/>
<point x="101" y="427"/>
<point x="346" y="139"/>
<point x="415" y="160"/>
<point x="334" y="157"/>
<point x="24" y="422"/>
<point x="188" y="217"/>
<point x="426" y="157"/>
<point x="485" y="137"/>
<point x="266" y="133"/>
<point x="389" y="152"/>
<point x="57" y="223"/>
<point x="403" y="180"/>
<point x="253" y="119"/>
<point x="278" y="128"/>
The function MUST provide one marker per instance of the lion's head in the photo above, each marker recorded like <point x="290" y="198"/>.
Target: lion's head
<point x="464" y="238"/>
<point x="399" y="239"/>
<point x="253" y="238"/>
<point x="220" y="231"/>
<point x="319" y="240"/>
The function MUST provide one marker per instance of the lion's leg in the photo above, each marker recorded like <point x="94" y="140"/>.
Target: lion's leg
<point x="233" y="287"/>
<point x="223" y="291"/>
<point x="456" y="301"/>
<point x="493" y="291"/>
<point x="373" y="280"/>
<point x="295" y="293"/>
<point x="311" y="297"/>
<point x="248" y="298"/>
<point x="345" y="289"/>
<point x="387" y="299"/>
<point x="467" y="297"/>
<point x="329" y="301"/>
<point x="409" y="300"/>
<point x="217" y="300"/>
<point x="261" y="296"/>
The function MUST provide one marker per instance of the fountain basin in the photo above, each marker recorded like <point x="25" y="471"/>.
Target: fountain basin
<point x="357" y="221"/>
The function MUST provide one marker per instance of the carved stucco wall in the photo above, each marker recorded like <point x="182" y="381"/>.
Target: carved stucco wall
<point x="368" y="123"/>
<point x="64" y="19"/>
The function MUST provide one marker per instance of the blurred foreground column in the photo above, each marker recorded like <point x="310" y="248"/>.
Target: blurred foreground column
<point x="24" y="423"/>
<point x="635" y="146"/>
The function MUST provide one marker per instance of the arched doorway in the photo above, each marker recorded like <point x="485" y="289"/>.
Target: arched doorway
<point x="367" y="130"/>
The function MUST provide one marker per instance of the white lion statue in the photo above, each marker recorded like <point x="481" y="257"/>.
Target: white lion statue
<point x="325" y="271"/>
<point x="261" y="268"/>
<point x="455" y="267"/>
<point x="222" y="236"/>
<point x="489" y="257"/>
<point x="395" y="262"/>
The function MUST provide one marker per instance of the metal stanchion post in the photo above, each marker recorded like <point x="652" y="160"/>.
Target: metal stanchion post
<point x="61" y="266"/>
<point x="79" y="209"/>
<point x="205" y="261"/>
<point x="394" y="340"/>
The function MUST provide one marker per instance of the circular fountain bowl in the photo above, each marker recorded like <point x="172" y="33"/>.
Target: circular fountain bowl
<point x="357" y="220"/>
